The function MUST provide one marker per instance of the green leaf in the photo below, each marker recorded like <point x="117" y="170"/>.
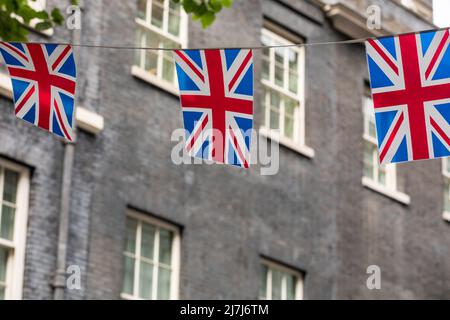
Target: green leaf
<point x="207" y="19"/>
<point x="57" y="17"/>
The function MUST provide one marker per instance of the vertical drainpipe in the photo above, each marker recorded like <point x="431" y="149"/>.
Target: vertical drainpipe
<point x="59" y="283"/>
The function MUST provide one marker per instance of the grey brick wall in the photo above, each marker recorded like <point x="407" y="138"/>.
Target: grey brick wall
<point x="314" y="215"/>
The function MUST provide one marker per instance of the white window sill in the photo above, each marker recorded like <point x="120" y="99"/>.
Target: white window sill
<point x="446" y="216"/>
<point x="140" y="73"/>
<point x="393" y="194"/>
<point x="302" y="149"/>
<point x="85" y="120"/>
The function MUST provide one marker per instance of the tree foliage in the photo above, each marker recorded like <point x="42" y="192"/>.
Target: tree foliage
<point x="204" y="10"/>
<point x="17" y="16"/>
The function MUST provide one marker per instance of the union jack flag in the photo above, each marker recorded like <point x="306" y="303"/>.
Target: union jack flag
<point x="410" y="80"/>
<point x="43" y="78"/>
<point x="216" y="92"/>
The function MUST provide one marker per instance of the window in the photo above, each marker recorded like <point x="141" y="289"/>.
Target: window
<point x="380" y="178"/>
<point x="161" y="24"/>
<point x="383" y="175"/>
<point x="283" y="75"/>
<point x="14" y="185"/>
<point x="446" y="173"/>
<point x="280" y="283"/>
<point x="151" y="259"/>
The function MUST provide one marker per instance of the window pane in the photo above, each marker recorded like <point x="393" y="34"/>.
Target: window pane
<point x="7" y="227"/>
<point x="142" y="9"/>
<point x="128" y="275"/>
<point x="139" y="43"/>
<point x="266" y="68"/>
<point x="148" y="241"/>
<point x="274" y="110"/>
<point x="447" y="197"/>
<point x="293" y="82"/>
<point x="3" y="262"/>
<point x="289" y="127"/>
<point x="146" y="280"/>
<point x="289" y="110"/>
<point x="10" y="188"/>
<point x="130" y="239"/>
<point x="368" y="160"/>
<point x="263" y="101"/>
<point x="372" y="129"/>
<point x="263" y="283"/>
<point x="279" y="67"/>
<point x="174" y="18"/>
<point x="382" y="175"/>
<point x="151" y="62"/>
<point x="447" y="165"/>
<point x="277" y="276"/>
<point x="164" y="284"/>
<point x="293" y="71"/>
<point x="290" y="287"/>
<point x="157" y="13"/>
<point x="165" y="247"/>
<point x="168" y="67"/>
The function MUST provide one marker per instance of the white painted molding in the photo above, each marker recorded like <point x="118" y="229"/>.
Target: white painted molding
<point x="5" y="86"/>
<point x="393" y="194"/>
<point x="89" y="121"/>
<point x="302" y="149"/>
<point x="147" y="77"/>
<point x="446" y="216"/>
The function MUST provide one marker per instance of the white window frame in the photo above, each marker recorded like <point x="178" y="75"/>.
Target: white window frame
<point x="176" y="251"/>
<point x="16" y="259"/>
<point x="446" y="174"/>
<point x="298" y="275"/>
<point x="297" y="143"/>
<point x="390" y="188"/>
<point x="182" y="39"/>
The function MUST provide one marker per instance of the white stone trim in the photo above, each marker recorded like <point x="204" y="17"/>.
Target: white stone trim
<point x="302" y="149"/>
<point x="446" y="216"/>
<point x="140" y="73"/>
<point x="393" y="194"/>
<point x="89" y="121"/>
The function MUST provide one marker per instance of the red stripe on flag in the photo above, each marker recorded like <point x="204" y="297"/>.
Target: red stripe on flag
<point x="436" y="54"/>
<point x="383" y="55"/>
<point x="61" y="56"/>
<point x="63" y="127"/>
<point x="197" y="133"/>
<point x="17" y="51"/>
<point x="440" y="131"/>
<point x="25" y="99"/>
<point x="238" y="150"/>
<point x="240" y="70"/>
<point x="190" y="64"/>
<point x="391" y="138"/>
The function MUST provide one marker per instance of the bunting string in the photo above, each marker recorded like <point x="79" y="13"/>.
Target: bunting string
<point x="261" y="47"/>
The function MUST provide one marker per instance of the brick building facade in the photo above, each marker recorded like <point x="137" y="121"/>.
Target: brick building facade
<point x="142" y="227"/>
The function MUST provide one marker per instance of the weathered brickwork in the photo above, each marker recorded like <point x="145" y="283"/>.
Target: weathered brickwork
<point x="314" y="214"/>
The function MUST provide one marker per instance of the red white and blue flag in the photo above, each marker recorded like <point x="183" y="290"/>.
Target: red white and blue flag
<point x="410" y="81"/>
<point x="43" y="79"/>
<point x="216" y="93"/>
